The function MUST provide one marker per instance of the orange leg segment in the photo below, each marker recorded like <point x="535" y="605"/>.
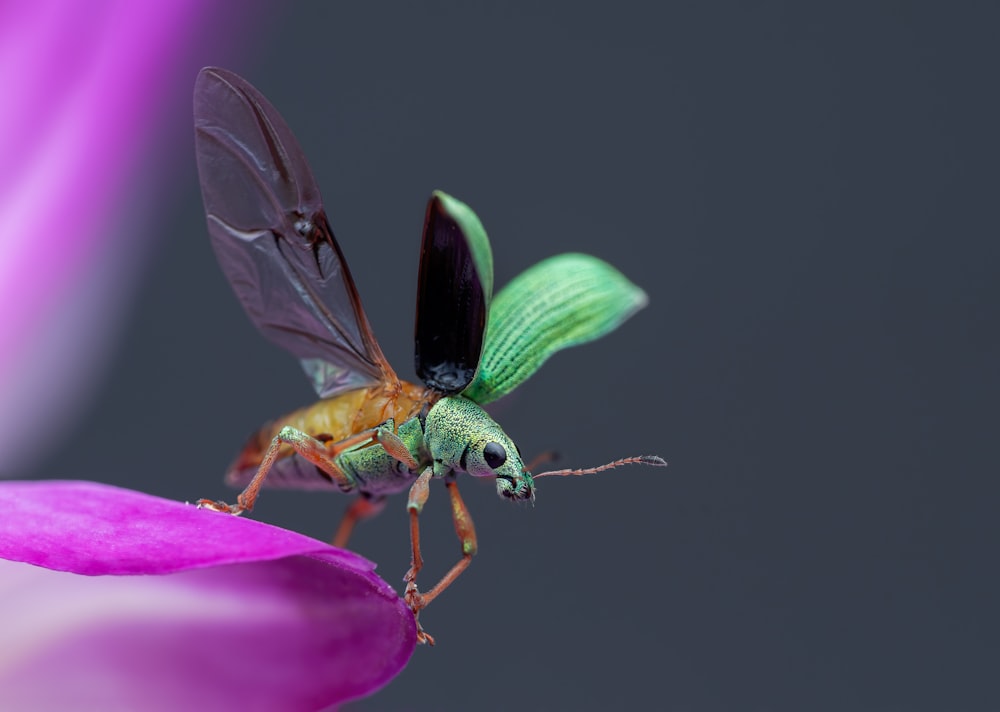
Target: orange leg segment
<point x="361" y="509"/>
<point x="466" y="532"/>
<point x="315" y="451"/>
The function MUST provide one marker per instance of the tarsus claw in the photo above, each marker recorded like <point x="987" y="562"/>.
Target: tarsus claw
<point x="219" y="506"/>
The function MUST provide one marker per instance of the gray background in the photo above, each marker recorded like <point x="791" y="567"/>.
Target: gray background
<point x="809" y="198"/>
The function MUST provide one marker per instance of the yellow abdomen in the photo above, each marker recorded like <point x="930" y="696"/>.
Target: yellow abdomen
<point x="334" y="419"/>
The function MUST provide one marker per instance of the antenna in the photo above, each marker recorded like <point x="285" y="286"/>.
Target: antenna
<point x="653" y="460"/>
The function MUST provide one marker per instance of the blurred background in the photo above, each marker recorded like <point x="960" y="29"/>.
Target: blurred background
<point x="808" y="195"/>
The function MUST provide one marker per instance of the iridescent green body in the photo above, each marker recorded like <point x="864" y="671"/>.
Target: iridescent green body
<point x="451" y="438"/>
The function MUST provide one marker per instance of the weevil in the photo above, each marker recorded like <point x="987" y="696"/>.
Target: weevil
<point x="371" y="433"/>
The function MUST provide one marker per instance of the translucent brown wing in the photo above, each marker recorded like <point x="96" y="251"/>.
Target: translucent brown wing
<point x="272" y="237"/>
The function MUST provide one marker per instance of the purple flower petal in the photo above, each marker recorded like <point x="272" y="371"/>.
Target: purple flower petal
<point x="94" y="529"/>
<point x="240" y="615"/>
<point x="91" y="91"/>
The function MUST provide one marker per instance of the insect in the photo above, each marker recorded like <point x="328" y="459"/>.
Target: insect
<point x="371" y="433"/>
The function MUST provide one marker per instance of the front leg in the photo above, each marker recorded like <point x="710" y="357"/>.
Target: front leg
<point x="419" y="491"/>
<point x="465" y="530"/>
<point x="315" y="451"/>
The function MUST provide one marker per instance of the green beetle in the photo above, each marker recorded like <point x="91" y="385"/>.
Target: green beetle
<point x="371" y="433"/>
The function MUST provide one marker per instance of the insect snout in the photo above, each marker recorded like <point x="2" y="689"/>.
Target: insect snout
<point x="519" y="489"/>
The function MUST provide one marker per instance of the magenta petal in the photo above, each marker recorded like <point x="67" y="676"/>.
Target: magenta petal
<point x="94" y="529"/>
<point x="245" y="616"/>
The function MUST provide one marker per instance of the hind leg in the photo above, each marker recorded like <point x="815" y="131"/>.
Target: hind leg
<point x="364" y="507"/>
<point x="321" y="454"/>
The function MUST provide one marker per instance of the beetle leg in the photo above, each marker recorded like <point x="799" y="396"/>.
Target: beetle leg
<point x="315" y="451"/>
<point x="364" y="507"/>
<point x="367" y="506"/>
<point x="466" y="532"/>
<point x="419" y="491"/>
<point x="386" y="436"/>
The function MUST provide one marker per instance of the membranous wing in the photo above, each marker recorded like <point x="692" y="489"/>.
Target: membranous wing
<point x="272" y="237"/>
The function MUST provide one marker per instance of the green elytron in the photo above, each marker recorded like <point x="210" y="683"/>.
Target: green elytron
<point x="371" y="433"/>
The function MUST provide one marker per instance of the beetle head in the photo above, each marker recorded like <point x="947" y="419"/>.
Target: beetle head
<point x="462" y="437"/>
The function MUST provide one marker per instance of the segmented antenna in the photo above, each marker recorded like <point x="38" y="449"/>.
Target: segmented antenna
<point x="653" y="460"/>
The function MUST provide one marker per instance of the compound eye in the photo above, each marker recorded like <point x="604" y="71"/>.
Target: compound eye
<point x="495" y="455"/>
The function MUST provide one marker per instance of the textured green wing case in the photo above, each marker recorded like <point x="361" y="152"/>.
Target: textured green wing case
<point x="562" y="301"/>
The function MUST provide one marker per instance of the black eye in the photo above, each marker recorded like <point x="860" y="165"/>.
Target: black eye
<point x="494" y="454"/>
